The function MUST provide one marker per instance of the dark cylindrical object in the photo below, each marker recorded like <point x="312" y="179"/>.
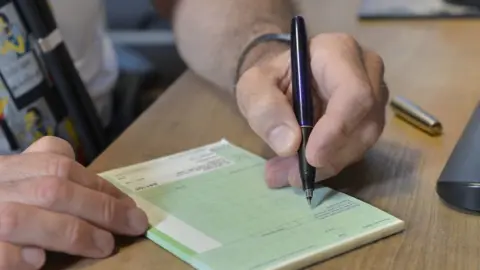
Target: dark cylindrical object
<point x="41" y="23"/>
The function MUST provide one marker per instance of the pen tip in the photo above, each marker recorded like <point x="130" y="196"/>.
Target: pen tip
<point x="309" y="200"/>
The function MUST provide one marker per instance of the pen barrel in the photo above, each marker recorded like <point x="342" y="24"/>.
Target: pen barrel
<point x="301" y="86"/>
<point x="302" y="96"/>
<point x="307" y="172"/>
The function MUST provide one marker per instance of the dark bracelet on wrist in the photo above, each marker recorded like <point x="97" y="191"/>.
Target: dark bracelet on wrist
<point x="285" y="38"/>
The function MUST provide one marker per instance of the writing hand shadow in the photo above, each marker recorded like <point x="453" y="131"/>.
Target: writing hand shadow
<point x="388" y="168"/>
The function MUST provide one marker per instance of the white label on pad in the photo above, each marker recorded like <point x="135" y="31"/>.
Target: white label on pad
<point x="170" y="169"/>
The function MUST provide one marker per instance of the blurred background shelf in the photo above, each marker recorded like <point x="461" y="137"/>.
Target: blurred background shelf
<point x="148" y="59"/>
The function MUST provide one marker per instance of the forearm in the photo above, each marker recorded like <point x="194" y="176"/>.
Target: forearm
<point x="211" y="34"/>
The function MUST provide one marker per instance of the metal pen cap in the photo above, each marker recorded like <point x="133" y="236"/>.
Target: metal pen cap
<point x="416" y="116"/>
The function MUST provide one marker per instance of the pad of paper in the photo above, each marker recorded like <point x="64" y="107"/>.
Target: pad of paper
<point x="210" y="207"/>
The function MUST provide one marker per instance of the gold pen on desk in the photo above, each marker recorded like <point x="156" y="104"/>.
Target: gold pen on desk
<point x="416" y="116"/>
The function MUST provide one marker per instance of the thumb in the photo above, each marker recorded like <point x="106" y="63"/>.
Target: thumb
<point x="268" y="110"/>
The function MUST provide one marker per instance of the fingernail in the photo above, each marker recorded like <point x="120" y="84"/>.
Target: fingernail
<point x="104" y="241"/>
<point x="34" y="256"/>
<point x="281" y="138"/>
<point x="137" y="220"/>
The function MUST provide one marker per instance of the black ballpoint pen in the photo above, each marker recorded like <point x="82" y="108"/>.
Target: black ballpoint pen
<point x="302" y="99"/>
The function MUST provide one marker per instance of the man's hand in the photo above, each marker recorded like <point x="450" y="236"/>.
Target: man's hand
<point x="350" y="100"/>
<point x="50" y="202"/>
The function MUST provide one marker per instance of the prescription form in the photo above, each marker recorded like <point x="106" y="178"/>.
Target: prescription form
<point x="210" y="207"/>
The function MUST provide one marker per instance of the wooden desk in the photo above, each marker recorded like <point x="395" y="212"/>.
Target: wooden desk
<point x="434" y="63"/>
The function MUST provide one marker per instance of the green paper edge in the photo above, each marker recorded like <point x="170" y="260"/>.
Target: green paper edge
<point x="179" y="250"/>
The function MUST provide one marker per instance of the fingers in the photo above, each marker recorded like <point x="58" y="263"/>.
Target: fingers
<point x="375" y="70"/>
<point x="13" y="257"/>
<point x="281" y="172"/>
<point x="36" y="164"/>
<point x="339" y="71"/>
<point x="267" y="108"/>
<point x="370" y="129"/>
<point x="355" y="148"/>
<point x="54" y="156"/>
<point x="353" y="117"/>
<point x="59" y="195"/>
<point x="27" y="225"/>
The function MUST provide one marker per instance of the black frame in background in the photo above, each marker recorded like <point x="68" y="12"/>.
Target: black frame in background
<point x="40" y="22"/>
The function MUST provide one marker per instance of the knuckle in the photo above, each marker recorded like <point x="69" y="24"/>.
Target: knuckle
<point x="337" y="37"/>
<point x="366" y="100"/>
<point x="345" y="39"/>
<point x="74" y="236"/>
<point x="8" y="219"/>
<point x="51" y="140"/>
<point x="333" y="47"/>
<point x="336" y="41"/>
<point x="109" y="209"/>
<point x="340" y="131"/>
<point x="55" y="142"/>
<point x="50" y="191"/>
<point x="59" y="165"/>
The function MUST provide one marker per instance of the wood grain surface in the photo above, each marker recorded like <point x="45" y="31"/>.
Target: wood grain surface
<point x="433" y="63"/>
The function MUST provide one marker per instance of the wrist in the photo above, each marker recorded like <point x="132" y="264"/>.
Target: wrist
<point x="262" y="53"/>
<point x="260" y="50"/>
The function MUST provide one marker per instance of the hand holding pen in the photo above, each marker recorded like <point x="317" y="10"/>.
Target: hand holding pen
<point x="348" y="97"/>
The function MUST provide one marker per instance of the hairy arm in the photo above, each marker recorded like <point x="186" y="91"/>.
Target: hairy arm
<point x="211" y="34"/>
